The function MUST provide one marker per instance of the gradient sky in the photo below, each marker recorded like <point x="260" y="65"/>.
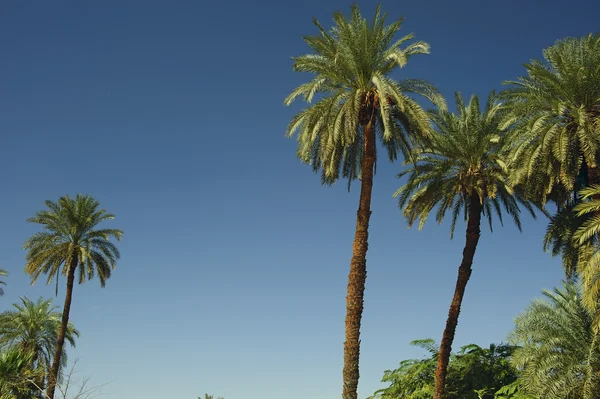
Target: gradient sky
<point x="235" y="259"/>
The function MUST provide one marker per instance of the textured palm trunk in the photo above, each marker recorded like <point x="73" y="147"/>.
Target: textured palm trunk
<point x="464" y="273"/>
<point x="60" y="342"/>
<point x="358" y="268"/>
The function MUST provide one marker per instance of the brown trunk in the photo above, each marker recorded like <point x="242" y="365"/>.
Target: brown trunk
<point x="60" y="342"/>
<point x="464" y="273"/>
<point x="358" y="268"/>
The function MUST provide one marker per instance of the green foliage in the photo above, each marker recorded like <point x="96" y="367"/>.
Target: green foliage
<point x="555" y="116"/>
<point x="351" y="64"/>
<point x="32" y="329"/>
<point x="556" y="353"/>
<point x="473" y="373"/>
<point x="70" y="231"/>
<point x="207" y="396"/>
<point x="464" y="159"/>
<point x="16" y="375"/>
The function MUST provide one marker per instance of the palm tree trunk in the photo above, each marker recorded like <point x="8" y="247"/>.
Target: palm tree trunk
<point x="464" y="273"/>
<point x="60" y="342"/>
<point x="358" y="268"/>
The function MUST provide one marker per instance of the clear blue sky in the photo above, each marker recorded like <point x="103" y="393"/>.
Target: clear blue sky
<point x="235" y="259"/>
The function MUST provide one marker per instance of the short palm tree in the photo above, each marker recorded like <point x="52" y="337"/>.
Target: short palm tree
<point x="558" y="353"/>
<point x="3" y="273"/>
<point x="462" y="171"/>
<point x="555" y="116"/>
<point x="356" y="102"/>
<point x="71" y="242"/>
<point x="33" y="328"/>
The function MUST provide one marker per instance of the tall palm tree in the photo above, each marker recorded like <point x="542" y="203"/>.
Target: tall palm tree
<point x="33" y="329"/>
<point x="558" y="355"/>
<point x="3" y="273"/>
<point x="356" y="103"/>
<point x="462" y="171"/>
<point x="71" y="242"/>
<point x="555" y="117"/>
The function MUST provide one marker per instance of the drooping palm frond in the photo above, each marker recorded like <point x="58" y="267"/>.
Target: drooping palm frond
<point x="70" y="231"/>
<point x="464" y="159"/>
<point x="351" y="64"/>
<point x="585" y="240"/>
<point x="556" y="345"/>
<point x="555" y="115"/>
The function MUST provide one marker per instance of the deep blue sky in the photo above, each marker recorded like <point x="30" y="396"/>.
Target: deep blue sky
<point x="235" y="258"/>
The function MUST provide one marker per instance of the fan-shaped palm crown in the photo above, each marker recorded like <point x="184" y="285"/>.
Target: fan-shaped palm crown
<point x="463" y="162"/>
<point x="351" y="63"/>
<point x="555" y="116"/>
<point x="71" y="235"/>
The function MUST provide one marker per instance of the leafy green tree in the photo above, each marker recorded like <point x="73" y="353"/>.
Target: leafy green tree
<point x="357" y="103"/>
<point x="3" y="273"/>
<point x="462" y="172"/>
<point x="16" y="375"/>
<point x="474" y="372"/>
<point x="555" y="116"/>
<point x="558" y="353"/>
<point x="71" y="242"/>
<point x="33" y="329"/>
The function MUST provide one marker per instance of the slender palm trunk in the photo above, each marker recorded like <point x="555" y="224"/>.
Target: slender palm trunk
<point x="464" y="273"/>
<point x="358" y="268"/>
<point x="60" y="342"/>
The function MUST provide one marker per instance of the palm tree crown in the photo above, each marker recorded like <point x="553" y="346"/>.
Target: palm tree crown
<point x="351" y="64"/>
<point x="555" y="116"/>
<point x="33" y="328"/>
<point x="71" y="233"/>
<point x="463" y="162"/>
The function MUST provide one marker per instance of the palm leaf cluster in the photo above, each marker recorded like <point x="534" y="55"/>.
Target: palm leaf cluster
<point x="351" y="64"/>
<point x="464" y="160"/>
<point x="555" y="117"/>
<point x="70" y="235"/>
<point x="558" y="355"/>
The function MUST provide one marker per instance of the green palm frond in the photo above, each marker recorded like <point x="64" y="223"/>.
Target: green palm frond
<point x="464" y="158"/>
<point x="556" y="345"/>
<point x="70" y="231"/>
<point x="554" y="116"/>
<point x="350" y="64"/>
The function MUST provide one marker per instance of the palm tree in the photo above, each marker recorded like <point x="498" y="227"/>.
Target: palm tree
<point x="558" y="355"/>
<point x="462" y="171"/>
<point x="33" y="328"/>
<point x="3" y="273"/>
<point x="357" y="102"/>
<point x="555" y="117"/>
<point x="70" y="242"/>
